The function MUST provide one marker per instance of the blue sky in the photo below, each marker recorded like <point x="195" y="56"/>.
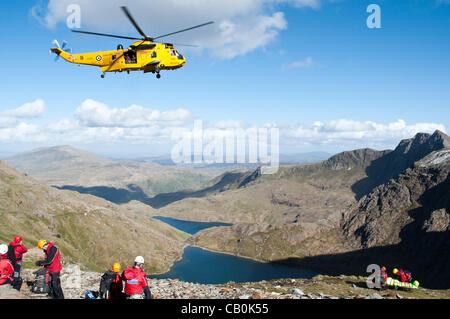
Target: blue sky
<point x="324" y="77"/>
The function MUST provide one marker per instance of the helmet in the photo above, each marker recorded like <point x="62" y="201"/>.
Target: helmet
<point x="416" y="283"/>
<point x="17" y="239"/>
<point x="383" y="268"/>
<point x="41" y="243"/>
<point x="395" y="271"/>
<point x="139" y="260"/>
<point x="3" y="249"/>
<point x="116" y="267"/>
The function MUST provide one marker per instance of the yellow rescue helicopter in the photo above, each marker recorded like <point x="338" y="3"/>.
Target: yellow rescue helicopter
<point x="143" y="55"/>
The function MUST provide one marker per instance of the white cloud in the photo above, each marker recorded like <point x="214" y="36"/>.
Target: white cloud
<point x="349" y="132"/>
<point x="21" y="133"/>
<point x="28" y="110"/>
<point x="96" y="123"/>
<point x="303" y="64"/>
<point x="96" y="114"/>
<point x="241" y="26"/>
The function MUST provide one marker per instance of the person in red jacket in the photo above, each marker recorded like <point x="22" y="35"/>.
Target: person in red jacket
<point x="52" y="263"/>
<point x="402" y="275"/>
<point x="383" y="278"/>
<point x="6" y="267"/>
<point x="136" y="281"/>
<point x="19" y="249"/>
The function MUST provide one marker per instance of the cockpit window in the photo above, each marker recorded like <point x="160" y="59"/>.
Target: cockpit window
<point x="176" y="53"/>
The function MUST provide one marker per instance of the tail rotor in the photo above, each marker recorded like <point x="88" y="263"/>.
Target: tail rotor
<point x="61" y="47"/>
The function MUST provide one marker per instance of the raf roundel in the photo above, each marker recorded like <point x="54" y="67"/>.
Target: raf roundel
<point x="98" y="58"/>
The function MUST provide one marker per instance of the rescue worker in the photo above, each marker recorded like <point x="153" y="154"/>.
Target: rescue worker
<point x="52" y="263"/>
<point x="402" y="275"/>
<point x="18" y="250"/>
<point x="136" y="281"/>
<point x="383" y="278"/>
<point x="111" y="283"/>
<point x="6" y="267"/>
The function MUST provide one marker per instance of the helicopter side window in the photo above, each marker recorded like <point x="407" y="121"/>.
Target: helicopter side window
<point x="130" y="57"/>
<point x="172" y="53"/>
<point x="154" y="54"/>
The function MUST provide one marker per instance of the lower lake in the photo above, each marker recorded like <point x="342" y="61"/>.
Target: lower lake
<point x="205" y="267"/>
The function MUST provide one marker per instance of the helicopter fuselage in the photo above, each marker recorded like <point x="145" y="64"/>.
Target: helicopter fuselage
<point x="140" y="56"/>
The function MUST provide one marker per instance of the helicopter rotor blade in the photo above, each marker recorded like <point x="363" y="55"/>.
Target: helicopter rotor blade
<point x="55" y="42"/>
<point x="107" y="35"/>
<point x="184" y="30"/>
<point x="180" y="44"/>
<point x="130" y="17"/>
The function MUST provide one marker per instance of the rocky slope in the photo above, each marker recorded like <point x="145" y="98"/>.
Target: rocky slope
<point x="89" y="230"/>
<point x="76" y="282"/>
<point x="403" y="221"/>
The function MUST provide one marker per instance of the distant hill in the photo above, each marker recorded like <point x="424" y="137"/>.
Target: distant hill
<point x="120" y="182"/>
<point x="90" y="231"/>
<point x="285" y="159"/>
<point x="48" y="160"/>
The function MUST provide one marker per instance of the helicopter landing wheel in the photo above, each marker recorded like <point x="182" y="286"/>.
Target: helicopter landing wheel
<point x="158" y="76"/>
<point x="102" y="76"/>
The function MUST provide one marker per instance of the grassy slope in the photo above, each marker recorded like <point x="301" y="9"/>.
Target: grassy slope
<point x="88" y="230"/>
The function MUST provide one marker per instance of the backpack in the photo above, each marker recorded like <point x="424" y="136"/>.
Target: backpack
<point x="12" y="255"/>
<point x="106" y="282"/>
<point x="91" y="295"/>
<point x="41" y="284"/>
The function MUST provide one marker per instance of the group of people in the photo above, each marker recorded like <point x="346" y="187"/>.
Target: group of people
<point x="111" y="284"/>
<point x="11" y="263"/>
<point x="135" y="279"/>
<point x="401" y="276"/>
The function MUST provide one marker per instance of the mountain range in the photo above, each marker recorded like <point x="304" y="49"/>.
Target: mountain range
<point x="357" y="208"/>
<point x="339" y="215"/>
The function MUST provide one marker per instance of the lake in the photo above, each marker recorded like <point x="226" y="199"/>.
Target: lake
<point x="188" y="226"/>
<point x="206" y="267"/>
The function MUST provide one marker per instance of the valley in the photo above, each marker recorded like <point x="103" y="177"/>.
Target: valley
<point x="335" y="216"/>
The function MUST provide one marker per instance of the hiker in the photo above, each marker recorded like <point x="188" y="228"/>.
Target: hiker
<point x="402" y="275"/>
<point x="53" y="264"/>
<point x="383" y="278"/>
<point x="6" y="267"/>
<point x="111" y="283"/>
<point x="15" y="254"/>
<point x="136" y="281"/>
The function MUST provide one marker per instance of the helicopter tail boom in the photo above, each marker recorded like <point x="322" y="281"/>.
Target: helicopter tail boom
<point x="63" y="54"/>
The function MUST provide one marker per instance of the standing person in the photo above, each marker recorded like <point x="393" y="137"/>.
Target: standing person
<point x="16" y="250"/>
<point x="136" y="281"/>
<point x="383" y="278"/>
<point x="111" y="283"/>
<point x="6" y="267"/>
<point x="53" y="264"/>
